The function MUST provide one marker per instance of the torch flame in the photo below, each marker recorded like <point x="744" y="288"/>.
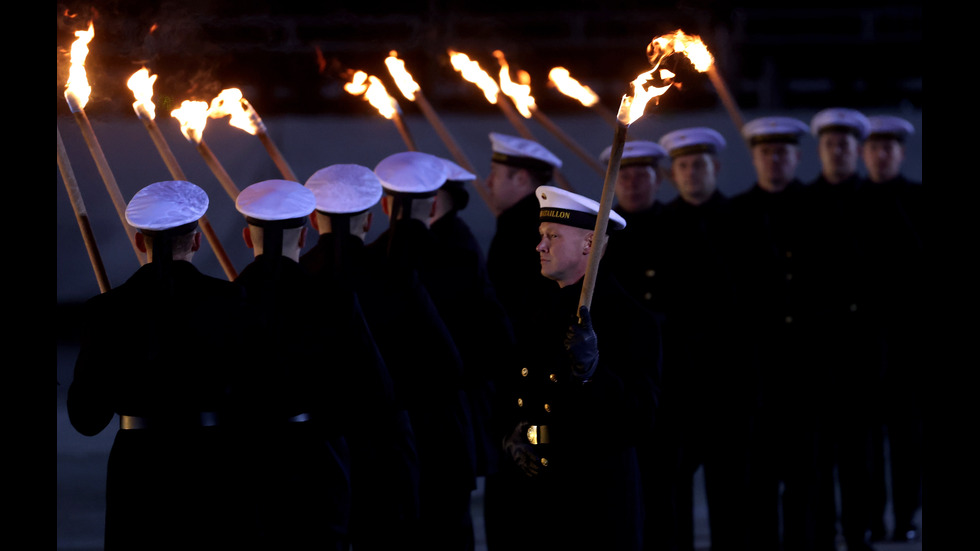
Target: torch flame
<point x="472" y="72"/>
<point x="406" y="84"/>
<point x="631" y="108"/>
<point x="141" y="83"/>
<point x="520" y="93"/>
<point x="379" y="98"/>
<point x="374" y="93"/>
<point x="356" y="85"/>
<point x="231" y="102"/>
<point x="570" y="87"/>
<point x="691" y="46"/>
<point x="77" y="86"/>
<point x="193" y="116"/>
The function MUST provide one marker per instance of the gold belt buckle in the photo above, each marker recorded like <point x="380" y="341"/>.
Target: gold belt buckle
<point x="537" y="434"/>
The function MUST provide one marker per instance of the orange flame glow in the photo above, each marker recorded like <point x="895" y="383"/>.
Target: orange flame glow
<point x="231" y="102"/>
<point x="689" y="45"/>
<point x="77" y="90"/>
<point x="406" y="84"/>
<point x="141" y="83"/>
<point x="374" y="92"/>
<point x="193" y="117"/>
<point x="356" y="85"/>
<point x="631" y="108"/>
<point x="472" y="72"/>
<point x="520" y="93"/>
<point x="567" y="85"/>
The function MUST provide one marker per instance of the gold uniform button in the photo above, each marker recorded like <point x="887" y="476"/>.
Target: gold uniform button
<point x="520" y="402"/>
<point x="523" y="372"/>
<point x="553" y="378"/>
<point x="544" y="461"/>
<point x="547" y="408"/>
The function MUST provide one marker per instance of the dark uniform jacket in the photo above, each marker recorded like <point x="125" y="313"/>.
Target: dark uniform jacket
<point x="384" y="458"/>
<point x="428" y="375"/>
<point x="849" y="343"/>
<point x="409" y="330"/>
<point x="456" y="278"/>
<point x="588" y="495"/>
<point x="895" y="232"/>
<point x="287" y="402"/>
<point x="773" y="284"/>
<point x="513" y="263"/>
<point x="162" y="347"/>
<point x="635" y="257"/>
<point x="701" y="373"/>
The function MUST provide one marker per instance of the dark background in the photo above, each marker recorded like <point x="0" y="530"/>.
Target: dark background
<point x="290" y="56"/>
<point x="291" y="61"/>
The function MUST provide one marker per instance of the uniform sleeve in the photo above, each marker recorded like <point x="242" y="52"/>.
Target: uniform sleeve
<point x="89" y="406"/>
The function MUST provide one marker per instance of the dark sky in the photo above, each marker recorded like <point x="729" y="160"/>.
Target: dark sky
<point x="293" y="56"/>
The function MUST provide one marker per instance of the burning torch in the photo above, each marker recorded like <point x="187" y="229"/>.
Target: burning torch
<point x="526" y="106"/>
<point x="193" y="117"/>
<point x="141" y="83"/>
<point x="374" y="92"/>
<point x="77" y="92"/>
<point x="631" y="108"/>
<point x="413" y="92"/>
<point x="243" y="116"/>
<point x="560" y="78"/>
<point x="471" y="71"/>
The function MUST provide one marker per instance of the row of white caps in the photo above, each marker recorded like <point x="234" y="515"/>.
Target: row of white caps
<point x="351" y="188"/>
<point x="336" y="189"/>
<point x="340" y="188"/>
<point x="775" y="128"/>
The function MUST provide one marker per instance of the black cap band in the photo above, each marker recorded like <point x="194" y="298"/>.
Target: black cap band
<point x="645" y="160"/>
<point x="521" y="162"/>
<point x="841" y="128"/>
<point x="574" y="218"/>
<point x="775" y="138"/>
<point x="899" y="136"/>
<point x="695" y="148"/>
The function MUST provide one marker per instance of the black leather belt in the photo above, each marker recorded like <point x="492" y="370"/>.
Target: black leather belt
<point x="204" y="419"/>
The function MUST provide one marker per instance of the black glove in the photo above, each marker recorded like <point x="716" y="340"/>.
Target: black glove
<point x="580" y="343"/>
<point x="519" y="448"/>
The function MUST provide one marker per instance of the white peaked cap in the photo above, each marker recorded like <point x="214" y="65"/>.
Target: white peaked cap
<point x="456" y="173"/>
<point x="636" y="152"/>
<point x="411" y="172"/>
<point x="564" y="207"/>
<point x="275" y="200"/>
<point x="692" y="140"/>
<point x="345" y="188"/>
<point x="518" y="151"/>
<point x="840" y="118"/>
<point x="887" y="125"/>
<point x="166" y="205"/>
<point x="774" y="129"/>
